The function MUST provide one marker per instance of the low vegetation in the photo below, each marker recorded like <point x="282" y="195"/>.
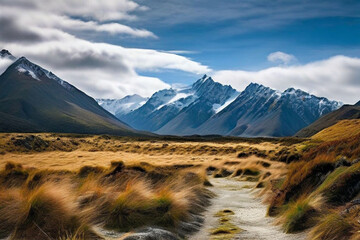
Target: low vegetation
<point x="321" y="190"/>
<point x="309" y="184"/>
<point x="342" y="129"/>
<point x="225" y="229"/>
<point x="43" y="204"/>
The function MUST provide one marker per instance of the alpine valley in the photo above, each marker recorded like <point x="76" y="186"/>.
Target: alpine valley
<point x="34" y="99"/>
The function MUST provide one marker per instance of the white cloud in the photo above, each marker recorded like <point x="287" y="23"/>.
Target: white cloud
<point x="337" y="78"/>
<point x="98" y="10"/>
<point x="281" y="57"/>
<point x="41" y="19"/>
<point x="4" y="63"/>
<point x="47" y="35"/>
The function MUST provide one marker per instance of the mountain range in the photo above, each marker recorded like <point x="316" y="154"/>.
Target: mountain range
<point x="32" y="99"/>
<point x="208" y="107"/>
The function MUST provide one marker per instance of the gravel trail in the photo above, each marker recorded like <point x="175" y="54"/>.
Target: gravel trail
<point x="249" y="214"/>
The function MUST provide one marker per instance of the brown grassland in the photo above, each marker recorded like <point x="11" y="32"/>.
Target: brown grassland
<point x="66" y="186"/>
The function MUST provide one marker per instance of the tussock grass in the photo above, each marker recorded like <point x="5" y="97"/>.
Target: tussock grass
<point x="333" y="226"/>
<point x="342" y="185"/>
<point x="318" y="190"/>
<point x="66" y="204"/>
<point x="343" y="129"/>
<point x="301" y="214"/>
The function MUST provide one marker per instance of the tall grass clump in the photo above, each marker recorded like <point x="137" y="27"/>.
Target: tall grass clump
<point x="300" y="215"/>
<point x="139" y="205"/>
<point x="49" y="212"/>
<point x="333" y="227"/>
<point x="11" y="210"/>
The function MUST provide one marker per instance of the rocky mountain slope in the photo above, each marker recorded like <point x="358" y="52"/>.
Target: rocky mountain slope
<point x="33" y="99"/>
<point x="179" y="111"/>
<point x="208" y="107"/>
<point x="262" y="111"/>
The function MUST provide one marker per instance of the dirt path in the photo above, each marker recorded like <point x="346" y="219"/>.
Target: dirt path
<point x="244" y="213"/>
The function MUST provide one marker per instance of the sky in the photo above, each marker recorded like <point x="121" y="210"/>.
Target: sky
<point x="113" y="48"/>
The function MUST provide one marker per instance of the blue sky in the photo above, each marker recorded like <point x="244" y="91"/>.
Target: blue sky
<point x="329" y="29"/>
<point x="113" y="48"/>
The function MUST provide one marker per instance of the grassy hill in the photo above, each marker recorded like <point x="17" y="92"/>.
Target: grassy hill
<point x="340" y="130"/>
<point x="345" y="112"/>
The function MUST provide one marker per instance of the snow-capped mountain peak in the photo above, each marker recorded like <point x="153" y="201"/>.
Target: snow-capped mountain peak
<point x="24" y="66"/>
<point x="124" y="105"/>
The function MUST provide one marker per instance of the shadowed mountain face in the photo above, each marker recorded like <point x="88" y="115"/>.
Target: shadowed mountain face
<point x="207" y="107"/>
<point x="180" y="111"/>
<point x="33" y="99"/>
<point x="262" y="111"/>
<point x="345" y="112"/>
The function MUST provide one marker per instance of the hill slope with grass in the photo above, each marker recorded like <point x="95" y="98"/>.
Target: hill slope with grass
<point x="340" y="130"/>
<point x="321" y="191"/>
<point x="33" y="99"/>
<point x="345" y="112"/>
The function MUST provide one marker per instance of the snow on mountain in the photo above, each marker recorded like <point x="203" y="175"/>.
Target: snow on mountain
<point x="166" y="105"/>
<point x="262" y="111"/>
<point x="123" y="105"/>
<point x="33" y="99"/>
<point x="218" y="107"/>
<point x="24" y="66"/>
<point x="208" y="107"/>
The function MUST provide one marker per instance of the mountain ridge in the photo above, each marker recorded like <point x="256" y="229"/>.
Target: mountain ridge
<point x="262" y="111"/>
<point x="208" y="107"/>
<point x="33" y="99"/>
<point x="173" y="107"/>
<point x="343" y="113"/>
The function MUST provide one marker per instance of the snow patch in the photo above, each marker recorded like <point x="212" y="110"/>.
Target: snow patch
<point x="28" y="72"/>
<point x="123" y="105"/>
<point x="218" y="107"/>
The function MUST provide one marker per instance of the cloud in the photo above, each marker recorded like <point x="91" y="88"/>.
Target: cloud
<point x="19" y="27"/>
<point x="281" y="57"/>
<point x="336" y="78"/>
<point x="11" y="31"/>
<point x="5" y="63"/>
<point x="93" y="9"/>
<point x="49" y="35"/>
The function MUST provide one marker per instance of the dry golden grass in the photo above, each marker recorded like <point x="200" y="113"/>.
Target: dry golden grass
<point x="328" y="171"/>
<point x="342" y="129"/>
<point x="149" y="182"/>
<point x="73" y="153"/>
<point x="56" y="204"/>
